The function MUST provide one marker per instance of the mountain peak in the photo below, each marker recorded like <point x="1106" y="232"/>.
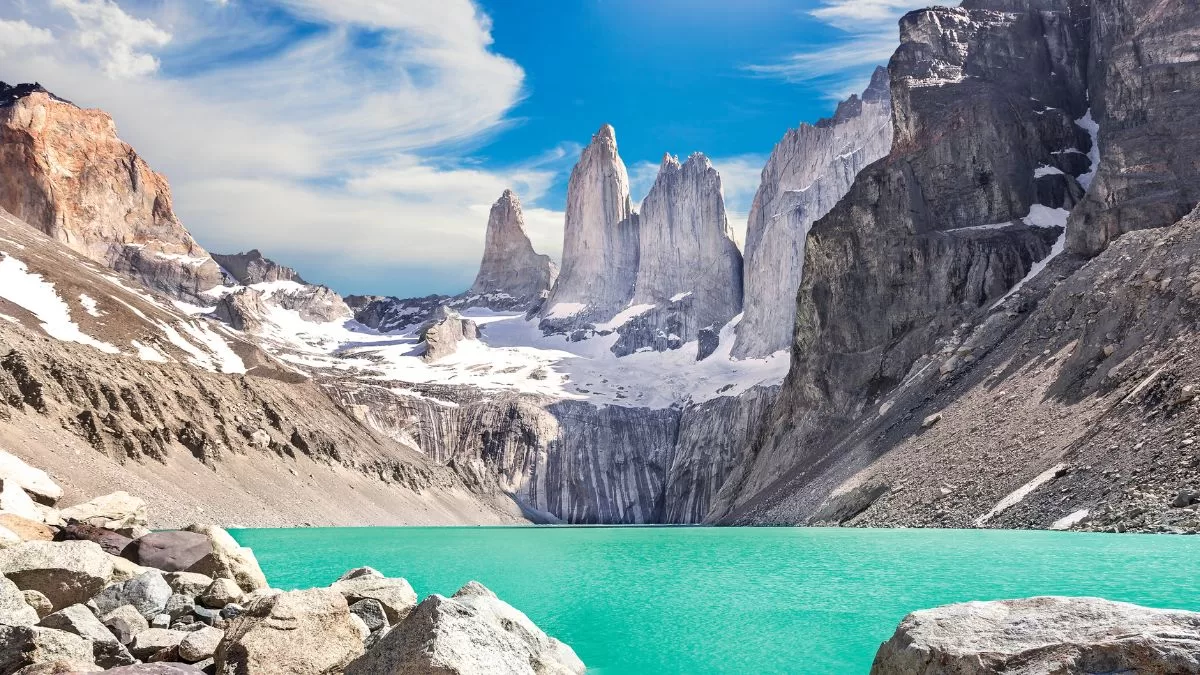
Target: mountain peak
<point x="605" y="133"/>
<point x="11" y="93"/>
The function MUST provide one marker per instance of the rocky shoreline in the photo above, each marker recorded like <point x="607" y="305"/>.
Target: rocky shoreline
<point x="90" y="588"/>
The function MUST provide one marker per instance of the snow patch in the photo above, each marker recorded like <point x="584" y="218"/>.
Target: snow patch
<point x="624" y="316"/>
<point x="1041" y="216"/>
<point x="565" y="310"/>
<point x="1016" y="496"/>
<point x="679" y="296"/>
<point x="1093" y="128"/>
<point x="89" y="305"/>
<point x="1070" y="520"/>
<point x="148" y="353"/>
<point x="1046" y="170"/>
<point x="20" y="286"/>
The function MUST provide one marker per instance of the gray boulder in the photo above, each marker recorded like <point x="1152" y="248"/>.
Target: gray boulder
<point x="22" y="646"/>
<point x="163" y="668"/>
<point x="219" y="593"/>
<point x="396" y="596"/>
<point x="13" y="608"/>
<point x="371" y="612"/>
<point x="148" y="592"/>
<point x="107" y="651"/>
<point x="66" y="572"/>
<point x="124" y="623"/>
<point x="190" y="584"/>
<point x="228" y="559"/>
<point x="170" y="550"/>
<point x="473" y="632"/>
<point x="119" y="511"/>
<point x="200" y="644"/>
<point x="1065" y="636"/>
<point x="154" y="640"/>
<point x="305" y="632"/>
<point x="38" y="601"/>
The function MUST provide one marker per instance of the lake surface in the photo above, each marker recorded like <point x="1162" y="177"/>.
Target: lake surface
<point x="737" y="600"/>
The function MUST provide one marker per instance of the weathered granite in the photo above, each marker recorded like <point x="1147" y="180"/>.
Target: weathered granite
<point x="511" y="275"/>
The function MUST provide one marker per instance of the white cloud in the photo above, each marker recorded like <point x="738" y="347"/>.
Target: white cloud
<point x="17" y="35"/>
<point x="320" y="145"/>
<point x="872" y="34"/>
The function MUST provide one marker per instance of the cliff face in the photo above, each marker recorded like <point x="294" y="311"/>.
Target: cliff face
<point x="983" y="104"/>
<point x="600" y="240"/>
<point x="511" y="275"/>
<point x="1144" y="79"/>
<point x="689" y="275"/>
<point x="252" y="268"/>
<point x="64" y="170"/>
<point x="809" y="170"/>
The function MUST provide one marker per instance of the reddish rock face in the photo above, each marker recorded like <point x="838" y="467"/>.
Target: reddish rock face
<point x="64" y="170"/>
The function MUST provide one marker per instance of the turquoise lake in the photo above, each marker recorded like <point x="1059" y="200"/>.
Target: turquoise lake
<point x="737" y="600"/>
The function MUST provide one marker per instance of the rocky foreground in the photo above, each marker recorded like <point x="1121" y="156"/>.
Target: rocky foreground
<point x="89" y="588"/>
<point x="1064" y="636"/>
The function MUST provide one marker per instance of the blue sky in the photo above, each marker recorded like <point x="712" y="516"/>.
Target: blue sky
<point x="362" y="141"/>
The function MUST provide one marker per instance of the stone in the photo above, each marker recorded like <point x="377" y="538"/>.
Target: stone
<point x="148" y="592"/>
<point x="112" y="542"/>
<point x="206" y="615"/>
<point x="511" y="275"/>
<point x="179" y="606"/>
<point x="34" y="481"/>
<point x="471" y="633"/>
<point x="371" y="612"/>
<point x="228" y="559"/>
<point x="395" y="596"/>
<point x="125" y="622"/>
<point x="119" y="511"/>
<point x="98" y="196"/>
<point x="442" y="334"/>
<point x="25" y="528"/>
<point x="124" y="569"/>
<point x="66" y="572"/>
<point x="38" y="601"/>
<point x="359" y="572"/>
<point x="219" y="593"/>
<point x="22" y="646"/>
<point x="8" y="537"/>
<point x="304" y="632"/>
<point x="600" y="239"/>
<point x="1185" y="498"/>
<point x="361" y="627"/>
<point x="200" y="644"/>
<point x="162" y="668"/>
<point x="252" y="268"/>
<point x="107" y="650"/>
<point x="153" y="640"/>
<point x="931" y="420"/>
<point x="14" y="610"/>
<point x="160" y="621"/>
<point x="15" y="501"/>
<point x="188" y="583"/>
<point x="809" y="170"/>
<point x="232" y="611"/>
<point x="1042" y="635"/>
<point x="169" y="550"/>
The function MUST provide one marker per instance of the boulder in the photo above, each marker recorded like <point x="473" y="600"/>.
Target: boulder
<point x="188" y="583"/>
<point x="396" y="596"/>
<point x="1042" y="635"/>
<point x="118" y="511"/>
<point x="371" y="612"/>
<point x="169" y="550"/>
<point x="304" y="632"/>
<point x="38" y="601"/>
<point x="125" y="569"/>
<point x="22" y="646"/>
<point x="361" y="572"/>
<point x="228" y="559"/>
<point x="66" y="572"/>
<point x="179" y="606"/>
<point x="148" y="592"/>
<point x="473" y="632"/>
<point x="32" y="480"/>
<point x="219" y="593"/>
<point x="25" y="528"/>
<point x="107" y="651"/>
<point x="153" y="640"/>
<point x="8" y="537"/>
<point x="200" y="644"/>
<point x="124" y="623"/>
<point x="361" y="627"/>
<point x="14" y="500"/>
<point x="112" y="542"/>
<point x="14" y="611"/>
<point x="162" y="668"/>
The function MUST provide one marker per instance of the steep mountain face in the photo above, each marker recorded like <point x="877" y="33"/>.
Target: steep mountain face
<point x="64" y="170"/>
<point x="252" y="268"/>
<point x="1144" y="79"/>
<point x="689" y="275"/>
<point x="809" y="170"/>
<point x="186" y="413"/>
<point x="924" y="394"/>
<point x="600" y="240"/>
<point x="511" y="274"/>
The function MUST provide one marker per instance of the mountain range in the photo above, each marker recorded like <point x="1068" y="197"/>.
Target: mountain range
<point x="965" y="299"/>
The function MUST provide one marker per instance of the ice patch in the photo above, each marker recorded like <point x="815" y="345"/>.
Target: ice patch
<point x="679" y="296"/>
<point x="1070" y="520"/>
<point x="1093" y="128"/>
<point x="1042" y="216"/>
<point x="625" y="316"/>
<point x="19" y="286"/>
<point x="1016" y="496"/>
<point x="565" y="310"/>
<point x="148" y="353"/>
<point x="1046" y="170"/>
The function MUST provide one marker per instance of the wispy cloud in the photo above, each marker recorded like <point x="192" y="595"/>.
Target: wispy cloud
<point x="318" y="144"/>
<point x="871" y="35"/>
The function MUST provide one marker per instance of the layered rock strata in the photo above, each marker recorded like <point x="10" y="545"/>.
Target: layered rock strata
<point x="809" y="170"/>
<point x="252" y="268"/>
